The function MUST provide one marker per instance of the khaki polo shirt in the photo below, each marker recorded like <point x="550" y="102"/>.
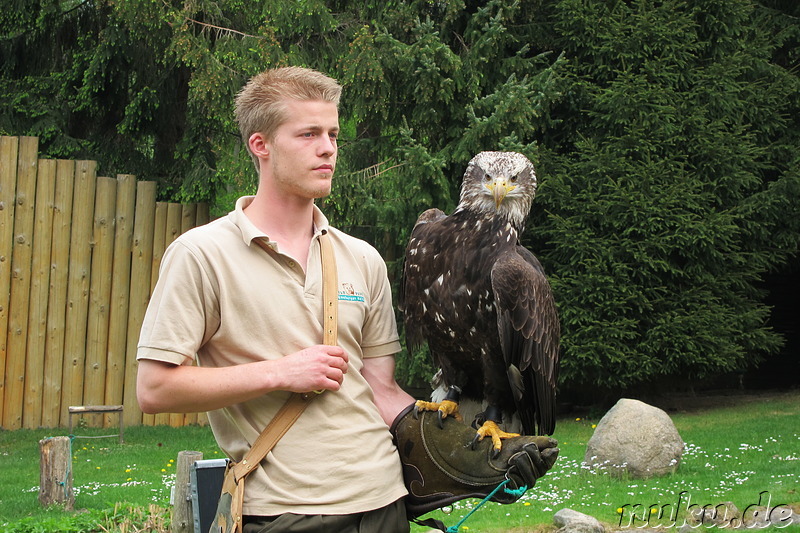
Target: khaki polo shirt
<point x="224" y="300"/>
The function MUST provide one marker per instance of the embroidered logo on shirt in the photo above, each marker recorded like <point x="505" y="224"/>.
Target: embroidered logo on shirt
<point x="348" y="293"/>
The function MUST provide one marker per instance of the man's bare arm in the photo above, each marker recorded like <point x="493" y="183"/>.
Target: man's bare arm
<point x="389" y="396"/>
<point x="163" y="387"/>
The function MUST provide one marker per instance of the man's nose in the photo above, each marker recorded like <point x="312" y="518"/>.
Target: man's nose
<point x="327" y="145"/>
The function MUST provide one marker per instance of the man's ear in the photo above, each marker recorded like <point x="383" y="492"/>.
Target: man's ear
<point x="259" y="145"/>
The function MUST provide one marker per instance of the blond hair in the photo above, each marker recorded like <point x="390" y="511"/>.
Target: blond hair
<point x="261" y="104"/>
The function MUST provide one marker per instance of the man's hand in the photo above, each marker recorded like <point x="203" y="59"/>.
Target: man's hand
<point x="320" y="367"/>
<point x="537" y="456"/>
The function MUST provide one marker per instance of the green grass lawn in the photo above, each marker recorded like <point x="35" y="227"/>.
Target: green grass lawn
<point x="732" y="454"/>
<point x="139" y="472"/>
<point x="738" y="454"/>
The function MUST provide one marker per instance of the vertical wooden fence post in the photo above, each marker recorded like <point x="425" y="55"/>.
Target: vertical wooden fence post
<point x="120" y="292"/>
<point x="39" y="294"/>
<point x="57" y="305"/>
<point x="55" y="473"/>
<point x="21" y="257"/>
<point x="141" y="266"/>
<point x="182" y="517"/>
<point x="9" y="150"/>
<point x="94" y="379"/>
<point x="79" y="274"/>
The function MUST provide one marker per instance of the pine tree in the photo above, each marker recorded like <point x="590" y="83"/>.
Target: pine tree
<point x="662" y="216"/>
<point x="664" y="133"/>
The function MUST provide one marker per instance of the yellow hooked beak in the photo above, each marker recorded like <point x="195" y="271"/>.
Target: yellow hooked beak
<point x="500" y="187"/>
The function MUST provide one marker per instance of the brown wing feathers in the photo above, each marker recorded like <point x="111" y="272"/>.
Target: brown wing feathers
<point x="525" y="314"/>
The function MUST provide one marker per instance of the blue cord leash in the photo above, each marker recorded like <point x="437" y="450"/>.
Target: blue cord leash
<point x="514" y="492"/>
<point x="69" y="467"/>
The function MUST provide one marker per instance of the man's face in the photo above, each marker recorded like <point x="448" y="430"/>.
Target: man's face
<point x="302" y="154"/>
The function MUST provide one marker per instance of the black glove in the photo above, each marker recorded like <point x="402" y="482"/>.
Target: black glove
<point x="440" y="466"/>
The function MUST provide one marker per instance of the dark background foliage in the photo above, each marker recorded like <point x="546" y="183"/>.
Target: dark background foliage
<point x="665" y="134"/>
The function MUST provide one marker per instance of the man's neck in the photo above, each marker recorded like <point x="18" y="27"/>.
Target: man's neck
<point x="290" y="218"/>
<point x="290" y="223"/>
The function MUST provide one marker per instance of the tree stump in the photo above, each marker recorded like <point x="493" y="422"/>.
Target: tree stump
<point x="182" y="515"/>
<point x="55" y="473"/>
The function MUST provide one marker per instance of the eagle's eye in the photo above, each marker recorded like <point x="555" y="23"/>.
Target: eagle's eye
<point x="487" y="177"/>
<point x="513" y="179"/>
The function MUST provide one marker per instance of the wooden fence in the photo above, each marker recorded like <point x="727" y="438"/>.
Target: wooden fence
<point x="79" y="255"/>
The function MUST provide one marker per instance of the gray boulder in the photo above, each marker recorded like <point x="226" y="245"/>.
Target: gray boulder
<point x="760" y="517"/>
<point x="721" y="515"/>
<point x="636" y="439"/>
<point x="569" y="521"/>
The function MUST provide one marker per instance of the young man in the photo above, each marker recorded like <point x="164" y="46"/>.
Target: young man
<point x="253" y="320"/>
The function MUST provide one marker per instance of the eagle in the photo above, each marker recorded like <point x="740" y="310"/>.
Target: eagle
<point x="482" y="302"/>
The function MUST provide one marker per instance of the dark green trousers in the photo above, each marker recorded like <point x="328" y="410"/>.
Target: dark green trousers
<point x="389" y="519"/>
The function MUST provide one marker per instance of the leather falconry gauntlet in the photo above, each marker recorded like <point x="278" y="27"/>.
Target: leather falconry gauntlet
<point x="441" y="467"/>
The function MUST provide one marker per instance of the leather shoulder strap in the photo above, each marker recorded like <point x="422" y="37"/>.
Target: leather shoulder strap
<point x="330" y="290"/>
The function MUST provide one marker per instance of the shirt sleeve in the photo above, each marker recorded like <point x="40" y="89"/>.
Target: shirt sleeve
<point x="183" y="311"/>
<point x="380" y="327"/>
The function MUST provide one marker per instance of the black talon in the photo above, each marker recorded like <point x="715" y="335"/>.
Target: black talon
<point x="440" y="420"/>
<point x="475" y="441"/>
<point x="416" y="412"/>
<point x="495" y="453"/>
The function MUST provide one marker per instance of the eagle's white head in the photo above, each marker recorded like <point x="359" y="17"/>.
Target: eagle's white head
<point x="499" y="184"/>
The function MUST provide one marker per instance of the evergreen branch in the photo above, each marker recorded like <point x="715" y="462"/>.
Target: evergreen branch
<point x="375" y="170"/>
<point x="221" y="29"/>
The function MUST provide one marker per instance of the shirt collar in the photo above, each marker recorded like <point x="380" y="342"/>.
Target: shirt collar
<point x="250" y="231"/>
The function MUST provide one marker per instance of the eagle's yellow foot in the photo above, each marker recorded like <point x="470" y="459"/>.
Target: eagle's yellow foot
<point x="492" y="429"/>
<point x="445" y="408"/>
